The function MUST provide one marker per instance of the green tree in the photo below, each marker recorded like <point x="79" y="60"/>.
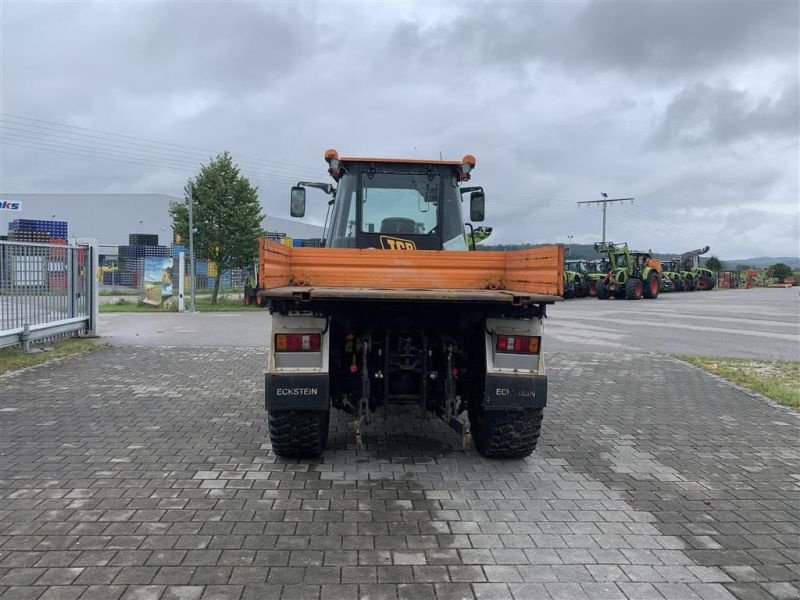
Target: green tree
<point x="226" y="216"/>
<point x="780" y="270"/>
<point x="713" y="264"/>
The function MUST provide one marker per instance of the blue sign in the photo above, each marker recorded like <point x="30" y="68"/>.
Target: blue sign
<point x="7" y="205"/>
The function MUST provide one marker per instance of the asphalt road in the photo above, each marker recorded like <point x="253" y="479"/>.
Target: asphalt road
<point x="757" y="323"/>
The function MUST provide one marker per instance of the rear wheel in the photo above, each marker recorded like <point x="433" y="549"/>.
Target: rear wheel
<point x="569" y="290"/>
<point x="705" y="283"/>
<point x="298" y="433"/>
<point x="592" y="287"/>
<point x="652" y="286"/>
<point x="677" y="283"/>
<point x="634" y="288"/>
<point x="505" y="434"/>
<point x="600" y="290"/>
<point x="688" y="284"/>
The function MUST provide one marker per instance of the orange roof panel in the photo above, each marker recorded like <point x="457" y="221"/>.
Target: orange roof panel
<point x="413" y="161"/>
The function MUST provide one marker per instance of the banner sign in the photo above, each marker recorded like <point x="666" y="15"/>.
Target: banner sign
<point x="8" y="205"/>
<point x="157" y="281"/>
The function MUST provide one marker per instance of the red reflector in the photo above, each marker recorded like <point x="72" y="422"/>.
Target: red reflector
<point x="517" y="344"/>
<point x="297" y="342"/>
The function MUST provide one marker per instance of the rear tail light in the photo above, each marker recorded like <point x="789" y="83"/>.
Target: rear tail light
<point x="518" y="344"/>
<point x="297" y="342"/>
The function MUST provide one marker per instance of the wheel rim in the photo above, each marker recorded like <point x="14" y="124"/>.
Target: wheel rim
<point x="653" y="286"/>
<point x="638" y="289"/>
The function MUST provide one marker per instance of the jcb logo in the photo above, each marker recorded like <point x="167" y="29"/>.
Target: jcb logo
<point x="391" y="243"/>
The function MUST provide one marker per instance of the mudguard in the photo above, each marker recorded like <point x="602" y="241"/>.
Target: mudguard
<point x="514" y="392"/>
<point x="297" y="392"/>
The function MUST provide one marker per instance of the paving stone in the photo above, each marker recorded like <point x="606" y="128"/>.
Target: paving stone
<point x="183" y="592"/>
<point x="182" y="497"/>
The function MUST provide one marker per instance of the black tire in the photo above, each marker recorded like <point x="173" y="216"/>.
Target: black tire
<point x="298" y="433"/>
<point x="506" y="434"/>
<point x="652" y="286"/>
<point x="705" y="283"/>
<point x="677" y="284"/>
<point x="688" y="284"/>
<point x="634" y="289"/>
<point x="600" y="290"/>
<point x="569" y="290"/>
<point x="582" y="291"/>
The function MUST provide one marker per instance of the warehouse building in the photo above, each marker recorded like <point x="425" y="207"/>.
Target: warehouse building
<point x="110" y="218"/>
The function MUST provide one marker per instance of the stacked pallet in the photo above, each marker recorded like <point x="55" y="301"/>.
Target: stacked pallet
<point x="53" y="261"/>
<point x="131" y="258"/>
<point x="52" y="229"/>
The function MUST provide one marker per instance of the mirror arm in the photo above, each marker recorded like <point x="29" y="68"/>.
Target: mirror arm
<point x="474" y="188"/>
<point x="325" y="187"/>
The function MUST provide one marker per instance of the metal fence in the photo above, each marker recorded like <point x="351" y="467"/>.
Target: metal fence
<point x="46" y="290"/>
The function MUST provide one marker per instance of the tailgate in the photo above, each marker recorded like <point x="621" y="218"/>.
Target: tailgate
<point x="535" y="271"/>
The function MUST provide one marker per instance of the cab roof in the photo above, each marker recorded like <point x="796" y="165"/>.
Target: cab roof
<point x="409" y="161"/>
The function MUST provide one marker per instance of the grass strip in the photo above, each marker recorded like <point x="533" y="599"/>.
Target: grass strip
<point x="775" y="379"/>
<point x="12" y="359"/>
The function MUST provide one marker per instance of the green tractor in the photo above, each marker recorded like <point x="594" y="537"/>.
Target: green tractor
<point x="671" y="278"/>
<point x="596" y="270"/>
<point x="576" y="284"/>
<point x="633" y="275"/>
<point x="694" y="276"/>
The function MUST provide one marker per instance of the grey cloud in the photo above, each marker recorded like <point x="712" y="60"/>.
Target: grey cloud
<point x="88" y="54"/>
<point x="702" y="113"/>
<point x="654" y="39"/>
<point x="682" y="37"/>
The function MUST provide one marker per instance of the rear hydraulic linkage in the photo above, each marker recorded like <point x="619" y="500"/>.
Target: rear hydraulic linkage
<point x="452" y="408"/>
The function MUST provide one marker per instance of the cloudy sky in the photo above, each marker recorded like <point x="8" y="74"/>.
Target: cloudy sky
<point x="690" y="106"/>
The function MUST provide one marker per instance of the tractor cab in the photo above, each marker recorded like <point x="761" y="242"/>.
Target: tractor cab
<point x="577" y="266"/>
<point x="395" y="204"/>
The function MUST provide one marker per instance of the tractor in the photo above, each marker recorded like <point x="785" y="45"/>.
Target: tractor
<point x="694" y="276"/>
<point x="633" y="275"/>
<point x="576" y="283"/>
<point x="671" y="279"/>
<point x="595" y="271"/>
<point x="396" y="310"/>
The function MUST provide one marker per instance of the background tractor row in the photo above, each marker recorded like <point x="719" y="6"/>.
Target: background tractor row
<point x="581" y="276"/>
<point x="631" y="275"/>
<point x="684" y="274"/>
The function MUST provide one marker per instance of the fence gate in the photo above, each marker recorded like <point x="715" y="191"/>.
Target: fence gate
<point x="46" y="290"/>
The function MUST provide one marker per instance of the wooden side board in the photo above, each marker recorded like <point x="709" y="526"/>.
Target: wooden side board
<point x="537" y="270"/>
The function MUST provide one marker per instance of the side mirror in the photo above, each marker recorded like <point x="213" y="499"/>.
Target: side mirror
<point x="477" y="206"/>
<point x="297" y="202"/>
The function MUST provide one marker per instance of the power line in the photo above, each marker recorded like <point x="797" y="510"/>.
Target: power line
<point x="115" y="145"/>
<point x="174" y="160"/>
<point x="150" y="140"/>
<point x="59" y="149"/>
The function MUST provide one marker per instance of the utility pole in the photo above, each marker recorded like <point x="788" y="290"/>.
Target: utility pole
<point x="605" y="202"/>
<point x="569" y="245"/>
<point x="191" y="248"/>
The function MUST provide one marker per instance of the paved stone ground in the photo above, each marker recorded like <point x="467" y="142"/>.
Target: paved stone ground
<point x="145" y="473"/>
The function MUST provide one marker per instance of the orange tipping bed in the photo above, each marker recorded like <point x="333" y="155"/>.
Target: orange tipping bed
<point x="536" y="271"/>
